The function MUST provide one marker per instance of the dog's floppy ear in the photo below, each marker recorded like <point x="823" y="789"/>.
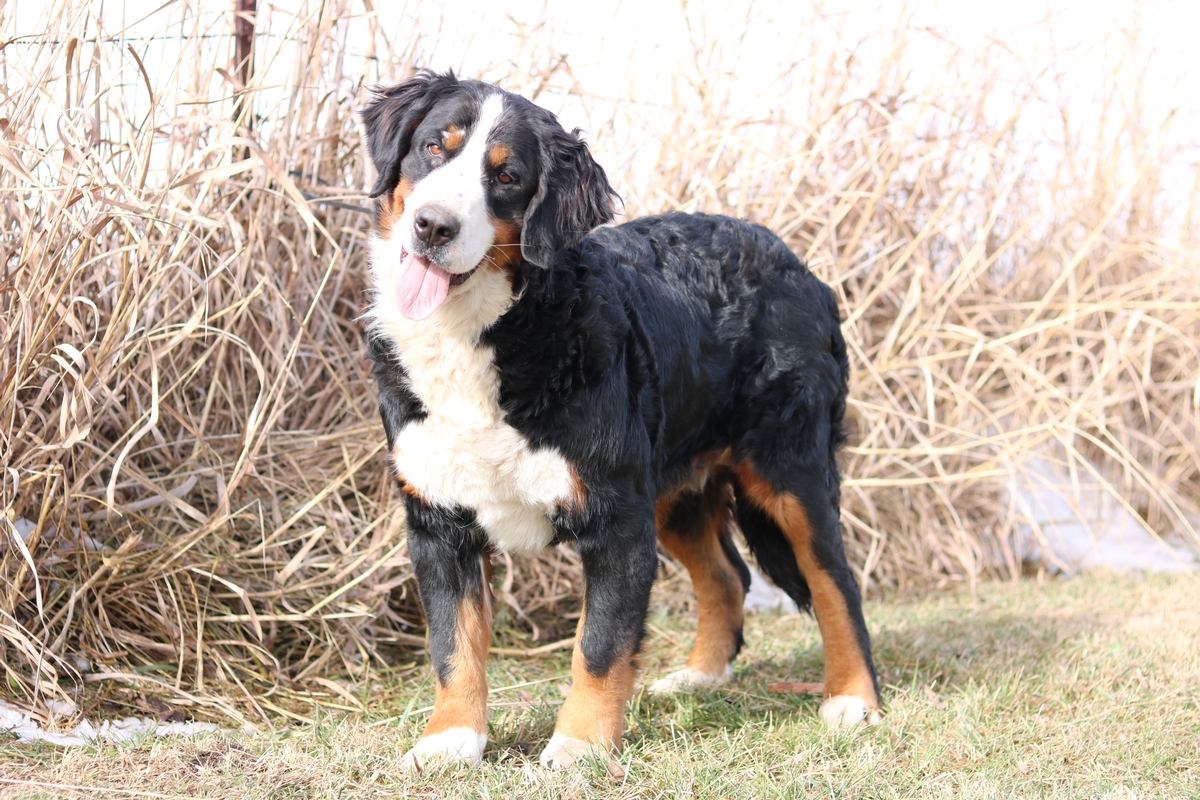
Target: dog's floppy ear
<point x="573" y="196"/>
<point x="391" y="117"/>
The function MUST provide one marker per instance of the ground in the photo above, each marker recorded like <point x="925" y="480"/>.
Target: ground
<point x="1088" y="687"/>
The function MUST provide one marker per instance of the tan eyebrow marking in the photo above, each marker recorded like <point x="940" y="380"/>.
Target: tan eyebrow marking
<point x="498" y="155"/>
<point x="452" y="137"/>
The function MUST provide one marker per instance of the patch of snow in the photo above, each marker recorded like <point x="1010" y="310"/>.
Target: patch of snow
<point x="116" y="731"/>
<point x="25" y="528"/>
<point x="1084" y="526"/>
<point x="763" y="596"/>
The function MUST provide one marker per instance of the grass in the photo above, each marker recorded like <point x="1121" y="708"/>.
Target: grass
<point x="1064" y="689"/>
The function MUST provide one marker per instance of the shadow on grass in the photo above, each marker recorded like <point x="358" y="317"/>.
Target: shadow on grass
<point x="984" y="647"/>
<point x="949" y="652"/>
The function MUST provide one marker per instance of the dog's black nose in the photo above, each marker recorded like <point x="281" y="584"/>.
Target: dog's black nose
<point x="435" y="227"/>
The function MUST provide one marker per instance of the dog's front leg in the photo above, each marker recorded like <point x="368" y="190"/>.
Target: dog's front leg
<point x="619" y="564"/>
<point x="448" y="558"/>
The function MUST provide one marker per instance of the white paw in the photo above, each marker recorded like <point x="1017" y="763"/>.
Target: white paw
<point x="455" y="745"/>
<point x="681" y="679"/>
<point x="845" y="711"/>
<point x="562" y="751"/>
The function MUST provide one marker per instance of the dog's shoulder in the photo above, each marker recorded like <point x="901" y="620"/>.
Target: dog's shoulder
<point x="563" y="333"/>
<point x="398" y="403"/>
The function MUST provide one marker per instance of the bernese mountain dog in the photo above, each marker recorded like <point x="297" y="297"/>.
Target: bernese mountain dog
<point x="543" y="380"/>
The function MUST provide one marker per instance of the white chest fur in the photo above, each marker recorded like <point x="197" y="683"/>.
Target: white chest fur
<point x="464" y="453"/>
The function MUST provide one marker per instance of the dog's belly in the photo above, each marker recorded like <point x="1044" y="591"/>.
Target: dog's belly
<point x="491" y="470"/>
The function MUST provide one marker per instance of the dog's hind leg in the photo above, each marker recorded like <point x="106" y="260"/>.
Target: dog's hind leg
<point x="451" y="568"/>
<point x="619" y="564"/>
<point x="693" y="526"/>
<point x="802" y="519"/>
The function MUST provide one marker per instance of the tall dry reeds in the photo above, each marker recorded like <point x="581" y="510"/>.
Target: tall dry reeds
<point x="197" y="501"/>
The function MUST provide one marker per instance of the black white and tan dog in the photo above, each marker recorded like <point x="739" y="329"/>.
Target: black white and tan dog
<point x="544" y="380"/>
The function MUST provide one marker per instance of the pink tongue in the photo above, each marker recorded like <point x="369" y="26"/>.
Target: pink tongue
<point x="420" y="287"/>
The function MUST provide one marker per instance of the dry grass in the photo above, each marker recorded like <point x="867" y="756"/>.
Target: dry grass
<point x="186" y="418"/>
<point x="1068" y="689"/>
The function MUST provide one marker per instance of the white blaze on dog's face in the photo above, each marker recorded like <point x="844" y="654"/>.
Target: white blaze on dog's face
<point x="455" y="190"/>
<point x="472" y="179"/>
<point x="463" y="184"/>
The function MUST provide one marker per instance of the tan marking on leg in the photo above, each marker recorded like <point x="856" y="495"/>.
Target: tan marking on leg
<point x="579" y="491"/>
<point x="594" y="711"/>
<point x="462" y="701"/>
<point x="846" y="671"/>
<point x="452" y="137"/>
<point x="498" y="155"/>
<point x="718" y="586"/>
<point x="408" y="488"/>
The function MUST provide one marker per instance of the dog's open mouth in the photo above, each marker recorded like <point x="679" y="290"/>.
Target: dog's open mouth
<point x="421" y="286"/>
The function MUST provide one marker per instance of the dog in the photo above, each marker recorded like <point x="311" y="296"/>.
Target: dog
<point x="543" y="379"/>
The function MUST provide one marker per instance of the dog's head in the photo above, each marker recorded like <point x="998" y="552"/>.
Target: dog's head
<point x="473" y="177"/>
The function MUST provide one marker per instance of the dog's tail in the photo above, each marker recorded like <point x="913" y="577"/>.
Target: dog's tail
<point x="770" y="548"/>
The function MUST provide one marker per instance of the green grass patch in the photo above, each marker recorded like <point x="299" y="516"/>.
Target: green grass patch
<point x="1079" y="688"/>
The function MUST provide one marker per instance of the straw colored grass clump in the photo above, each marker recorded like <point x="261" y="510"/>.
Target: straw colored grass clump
<point x="196" y="496"/>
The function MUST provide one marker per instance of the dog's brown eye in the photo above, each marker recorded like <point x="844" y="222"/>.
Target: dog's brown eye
<point x="434" y="149"/>
<point x="504" y="178"/>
